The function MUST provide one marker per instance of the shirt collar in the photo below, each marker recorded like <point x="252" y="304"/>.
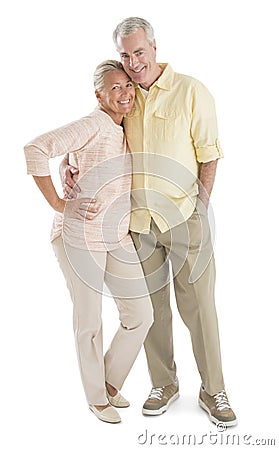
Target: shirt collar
<point x="165" y="79"/>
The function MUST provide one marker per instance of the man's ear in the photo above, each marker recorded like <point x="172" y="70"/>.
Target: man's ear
<point x="154" y="46"/>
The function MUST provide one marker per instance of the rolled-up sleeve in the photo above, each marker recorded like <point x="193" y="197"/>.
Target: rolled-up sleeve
<point x="36" y="161"/>
<point x="204" y="129"/>
<point x="67" y="139"/>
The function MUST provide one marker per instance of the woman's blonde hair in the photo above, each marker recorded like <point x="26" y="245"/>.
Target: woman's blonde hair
<point x="102" y="69"/>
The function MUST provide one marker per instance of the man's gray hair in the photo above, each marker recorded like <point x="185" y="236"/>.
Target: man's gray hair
<point x="102" y="69"/>
<point x="132" y="25"/>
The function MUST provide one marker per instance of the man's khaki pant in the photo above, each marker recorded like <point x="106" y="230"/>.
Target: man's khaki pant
<point x="188" y="247"/>
<point x="85" y="273"/>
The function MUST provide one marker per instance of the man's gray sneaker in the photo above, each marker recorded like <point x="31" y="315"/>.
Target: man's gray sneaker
<point x="218" y="408"/>
<point x="159" y="399"/>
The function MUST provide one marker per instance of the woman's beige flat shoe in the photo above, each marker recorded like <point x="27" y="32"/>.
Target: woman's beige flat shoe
<point x="108" y="414"/>
<point x="118" y="400"/>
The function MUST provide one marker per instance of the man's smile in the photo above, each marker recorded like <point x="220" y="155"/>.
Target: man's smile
<point x="137" y="70"/>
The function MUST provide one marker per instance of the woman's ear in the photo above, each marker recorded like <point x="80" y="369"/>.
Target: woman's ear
<point x="98" y="96"/>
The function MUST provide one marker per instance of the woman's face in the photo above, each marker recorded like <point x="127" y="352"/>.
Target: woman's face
<point x="117" y="95"/>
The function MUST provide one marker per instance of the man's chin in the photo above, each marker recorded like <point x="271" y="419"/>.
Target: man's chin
<point x="138" y="77"/>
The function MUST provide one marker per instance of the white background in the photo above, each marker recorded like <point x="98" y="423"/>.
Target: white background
<point x="49" y="52"/>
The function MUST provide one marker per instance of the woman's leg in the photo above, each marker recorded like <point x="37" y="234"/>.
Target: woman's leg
<point x="78" y="267"/>
<point x="125" y="279"/>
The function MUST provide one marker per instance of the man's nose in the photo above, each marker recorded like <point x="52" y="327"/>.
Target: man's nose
<point x="133" y="61"/>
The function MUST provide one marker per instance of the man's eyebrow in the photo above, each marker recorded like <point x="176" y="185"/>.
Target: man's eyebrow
<point x="135" y="51"/>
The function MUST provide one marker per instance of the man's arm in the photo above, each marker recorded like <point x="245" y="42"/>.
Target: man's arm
<point x="207" y="172"/>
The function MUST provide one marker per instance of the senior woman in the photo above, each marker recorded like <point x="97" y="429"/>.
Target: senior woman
<point x="91" y="239"/>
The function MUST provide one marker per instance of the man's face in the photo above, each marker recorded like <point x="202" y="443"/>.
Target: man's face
<point x="138" y="57"/>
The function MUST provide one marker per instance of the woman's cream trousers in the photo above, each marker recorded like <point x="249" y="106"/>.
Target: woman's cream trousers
<point x="86" y="274"/>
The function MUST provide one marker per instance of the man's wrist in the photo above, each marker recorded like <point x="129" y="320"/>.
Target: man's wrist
<point x="204" y="200"/>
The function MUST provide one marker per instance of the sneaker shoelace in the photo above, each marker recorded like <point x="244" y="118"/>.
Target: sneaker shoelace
<point x="156" y="393"/>
<point x="222" y="401"/>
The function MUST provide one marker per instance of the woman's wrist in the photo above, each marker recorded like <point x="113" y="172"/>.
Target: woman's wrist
<point x="59" y="205"/>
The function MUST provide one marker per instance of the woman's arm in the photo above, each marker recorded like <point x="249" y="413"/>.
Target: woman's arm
<point x="70" y="138"/>
<point x="81" y="208"/>
<point x="67" y="139"/>
<point x="48" y="190"/>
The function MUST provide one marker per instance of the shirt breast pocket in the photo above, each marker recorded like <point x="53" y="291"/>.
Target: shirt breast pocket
<point x="165" y="125"/>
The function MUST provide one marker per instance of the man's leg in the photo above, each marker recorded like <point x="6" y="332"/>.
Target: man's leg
<point x="159" y="341"/>
<point x="194" y="282"/>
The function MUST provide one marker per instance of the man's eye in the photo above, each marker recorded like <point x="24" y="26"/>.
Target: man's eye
<point x="124" y="56"/>
<point x="139" y="53"/>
